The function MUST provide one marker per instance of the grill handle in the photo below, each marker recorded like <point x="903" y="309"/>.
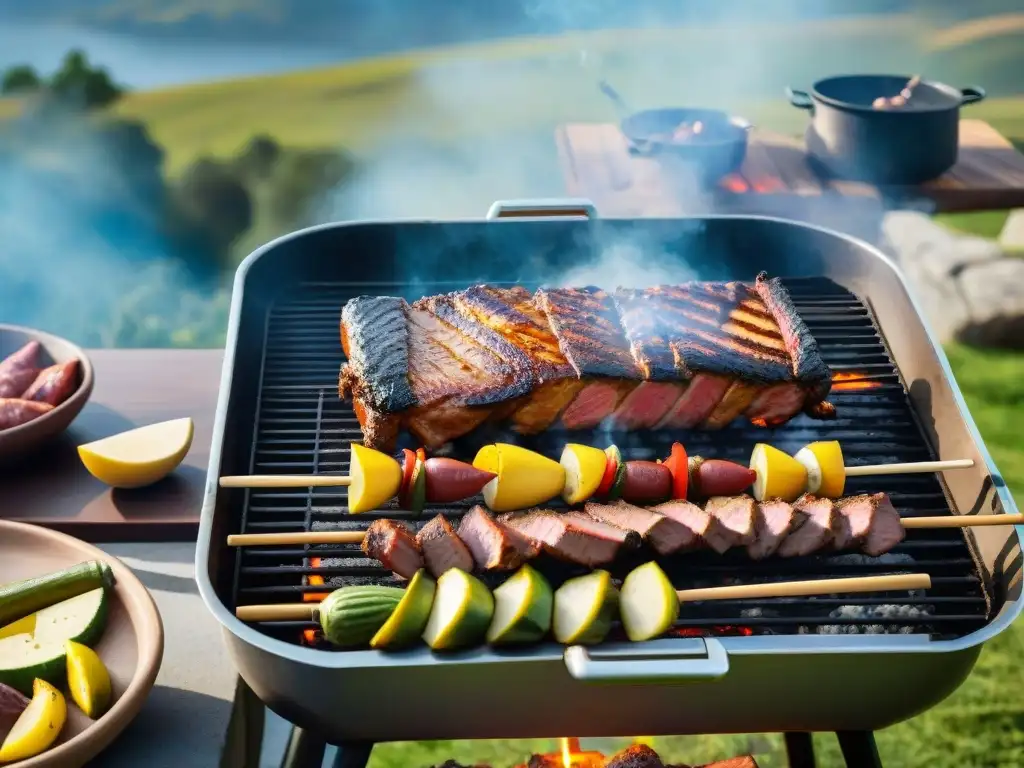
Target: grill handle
<point x="648" y="664"/>
<point x="555" y="208"/>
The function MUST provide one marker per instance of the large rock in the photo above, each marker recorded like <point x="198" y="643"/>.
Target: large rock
<point x="968" y="287"/>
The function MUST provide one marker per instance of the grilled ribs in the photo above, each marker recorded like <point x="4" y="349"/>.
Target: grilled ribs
<point x="697" y="355"/>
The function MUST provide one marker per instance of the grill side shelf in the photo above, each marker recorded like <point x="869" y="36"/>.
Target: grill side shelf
<point x="302" y="427"/>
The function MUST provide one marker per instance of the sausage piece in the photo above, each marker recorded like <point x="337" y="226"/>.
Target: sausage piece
<point x="19" y="369"/>
<point x="15" y="412"/>
<point x="53" y="385"/>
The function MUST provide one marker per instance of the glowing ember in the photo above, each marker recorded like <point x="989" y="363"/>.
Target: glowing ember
<point x="573" y="755"/>
<point x="314" y="580"/>
<point x="734" y="183"/>
<point x="713" y="632"/>
<point x="852" y="382"/>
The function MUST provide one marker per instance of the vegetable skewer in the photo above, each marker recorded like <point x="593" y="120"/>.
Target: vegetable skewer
<point x="356" y="537"/>
<point x="511" y="477"/>
<point x="460" y="612"/>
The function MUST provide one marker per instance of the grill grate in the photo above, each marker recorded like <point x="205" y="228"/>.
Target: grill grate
<point x="302" y="428"/>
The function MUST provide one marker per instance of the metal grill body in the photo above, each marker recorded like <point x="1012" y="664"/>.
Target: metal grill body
<point x="826" y="663"/>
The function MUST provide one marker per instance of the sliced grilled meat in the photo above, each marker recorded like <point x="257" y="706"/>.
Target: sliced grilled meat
<point x="854" y="521"/>
<point x="736" y="515"/>
<point x="886" y="528"/>
<point x="665" y="534"/>
<point x="776" y="404"/>
<point x="697" y="402"/>
<point x="442" y="548"/>
<point x="494" y="546"/>
<point x="394" y="545"/>
<point x="697" y="521"/>
<point x="586" y="323"/>
<point x="814" y="531"/>
<point x="572" y="537"/>
<point x="514" y="314"/>
<point x="775" y="519"/>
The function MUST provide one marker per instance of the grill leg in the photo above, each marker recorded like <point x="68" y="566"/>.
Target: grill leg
<point x="305" y="750"/>
<point x="353" y="755"/>
<point x="859" y="749"/>
<point x="800" y="750"/>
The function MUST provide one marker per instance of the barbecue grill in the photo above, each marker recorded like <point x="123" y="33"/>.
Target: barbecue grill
<point x="857" y="662"/>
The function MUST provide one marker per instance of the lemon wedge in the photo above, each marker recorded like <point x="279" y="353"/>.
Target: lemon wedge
<point x="140" y="456"/>
<point x="826" y="470"/>
<point x="524" y="478"/>
<point x="584" y="470"/>
<point x="779" y="475"/>
<point x="374" y="478"/>
<point x="88" y="680"/>
<point x="38" y="727"/>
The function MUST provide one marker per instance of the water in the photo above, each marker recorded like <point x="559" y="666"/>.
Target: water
<point x="143" y="63"/>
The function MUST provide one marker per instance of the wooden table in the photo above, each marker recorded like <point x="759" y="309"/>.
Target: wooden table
<point x="133" y="388"/>
<point x="777" y="178"/>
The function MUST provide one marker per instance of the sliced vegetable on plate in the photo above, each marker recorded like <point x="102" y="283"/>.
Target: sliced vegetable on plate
<point x="38" y="649"/>
<point x="39" y="725"/>
<point x="21" y="598"/>
<point x="138" y="457"/>
<point x="584" y="609"/>
<point x="88" y="680"/>
<point x="12" y="704"/>
<point x="522" y="609"/>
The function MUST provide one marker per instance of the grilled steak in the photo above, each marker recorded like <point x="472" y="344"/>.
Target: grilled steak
<point x="589" y="333"/>
<point x="775" y="518"/>
<point x="736" y="515"/>
<point x="665" y="534"/>
<point x="814" y="530"/>
<point x="697" y="521"/>
<point x="572" y="537"/>
<point x="494" y="546"/>
<point x="394" y="545"/>
<point x="886" y="528"/>
<point x="668" y="357"/>
<point x="442" y="548"/>
<point x="514" y="314"/>
<point x="855" y="518"/>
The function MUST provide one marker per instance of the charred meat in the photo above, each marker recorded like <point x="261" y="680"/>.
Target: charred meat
<point x="394" y="545"/>
<point x="683" y="356"/>
<point x="664" y="534"/>
<point x="494" y="546"/>
<point x="571" y="537"/>
<point x="815" y="528"/>
<point x="442" y="548"/>
<point x="735" y="515"/>
<point x="775" y="518"/>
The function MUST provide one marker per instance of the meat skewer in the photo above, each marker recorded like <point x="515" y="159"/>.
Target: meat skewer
<point x="868" y="523"/>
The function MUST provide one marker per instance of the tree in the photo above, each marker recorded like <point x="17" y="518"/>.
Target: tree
<point x="79" y="84"/>
<point x="20" y="79"/>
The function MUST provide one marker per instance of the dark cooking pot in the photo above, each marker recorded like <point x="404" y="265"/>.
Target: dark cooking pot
<point x="897" y="146"/>
<point x="719" y="147"/>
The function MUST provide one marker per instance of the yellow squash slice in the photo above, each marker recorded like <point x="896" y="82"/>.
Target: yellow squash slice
<point x="779" y="475"/>
<point x="375" y="477"/>
<point x="524" y="478"/>
<point x="826" y="470"/>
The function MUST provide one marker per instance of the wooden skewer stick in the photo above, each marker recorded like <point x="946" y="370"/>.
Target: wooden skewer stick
<point x="333" y="481"/>
<point x="909" y="468"/>
<point x="308" y="611"/>
<point x="284" y="481"/>
<point x="356" y="537"/>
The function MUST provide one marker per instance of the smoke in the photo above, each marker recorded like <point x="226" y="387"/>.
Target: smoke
<point x="82" y="252"/>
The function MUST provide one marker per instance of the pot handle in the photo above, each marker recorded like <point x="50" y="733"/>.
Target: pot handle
<point x="972" y="94"/>
<point x="800" y="99"/>
<point x="557" y="208"/>
<point x="649" y="663"/>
